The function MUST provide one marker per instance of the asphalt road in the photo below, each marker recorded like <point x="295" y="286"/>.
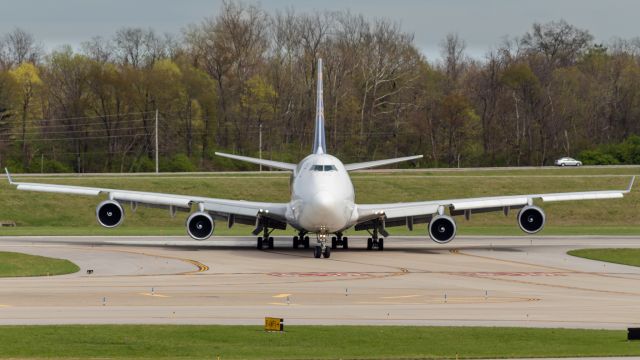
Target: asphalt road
<point x="483" y="281"/>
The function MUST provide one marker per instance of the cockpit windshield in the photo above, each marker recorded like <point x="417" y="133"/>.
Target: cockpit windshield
<point x="323" y="168"/>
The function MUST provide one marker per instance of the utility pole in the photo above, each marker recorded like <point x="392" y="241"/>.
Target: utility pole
<point x="260" y="145"/>
<point x="157" y="167"/>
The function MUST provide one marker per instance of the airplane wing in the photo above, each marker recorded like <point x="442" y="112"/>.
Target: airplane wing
<point x="408" y="213"/>
<point x="234" y="211"/>
<point x="270" y="163"/>
<point x="376" y="163"/>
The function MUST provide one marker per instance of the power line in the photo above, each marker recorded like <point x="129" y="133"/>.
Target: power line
<point x="47" y="126"/>
<point x="91" y="117"/>
<point x="44" y="133"/>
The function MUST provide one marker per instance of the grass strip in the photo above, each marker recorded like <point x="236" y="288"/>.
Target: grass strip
<point x="305" y="342"/>
<point x="17" y="264"/>
<point x="617" y="256"/>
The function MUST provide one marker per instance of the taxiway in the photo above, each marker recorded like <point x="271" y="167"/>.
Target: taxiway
<point x="481" y="281"/>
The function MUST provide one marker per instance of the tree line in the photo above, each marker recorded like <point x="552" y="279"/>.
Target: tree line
<point x="550" y="92"/>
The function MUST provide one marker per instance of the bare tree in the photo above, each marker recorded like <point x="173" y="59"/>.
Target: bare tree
<point x="20" y="46"/>
<point x="98" y="49"/>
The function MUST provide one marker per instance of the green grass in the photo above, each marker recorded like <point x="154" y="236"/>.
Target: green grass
<point x="17" y="264"/>
<point x="305" y="342"/>
<point x="617" y="256"/>
<point x="56" y="214"/>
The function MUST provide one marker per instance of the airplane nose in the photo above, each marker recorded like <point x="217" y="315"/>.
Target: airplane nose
<point x="324" y="202"/>
<point x="322" y="211"/>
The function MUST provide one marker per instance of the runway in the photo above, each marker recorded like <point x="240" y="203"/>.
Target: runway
<point x="478" y="281"/>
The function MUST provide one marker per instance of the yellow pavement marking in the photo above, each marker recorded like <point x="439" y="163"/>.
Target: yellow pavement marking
<point x="400" y="297"/>
<point x="155" y="295"/>
<point x="282" y="304"/>
<point x="281" y="295"/>
<point x="2" y="305"/>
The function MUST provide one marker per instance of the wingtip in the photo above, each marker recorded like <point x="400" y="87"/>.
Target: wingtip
<point x="6" y="170"/>
<point x="633" y="179"/>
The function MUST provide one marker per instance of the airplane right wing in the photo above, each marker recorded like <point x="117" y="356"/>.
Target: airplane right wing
<point x="269" y="163"/>
<point x="376" y="163"/>
<point x="232" y="211"/>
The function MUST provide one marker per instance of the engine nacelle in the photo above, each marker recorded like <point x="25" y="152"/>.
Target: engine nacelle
<point x="531" y="219"/>
<point x="200" y="225"/>
<point x="442" y="229"/>
<point x="109" y="213"/>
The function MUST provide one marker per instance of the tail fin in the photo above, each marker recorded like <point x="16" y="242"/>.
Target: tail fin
<point x="319" y="144"/>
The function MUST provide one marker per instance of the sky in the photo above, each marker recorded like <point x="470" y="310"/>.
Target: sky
<point x="481" y="23"/>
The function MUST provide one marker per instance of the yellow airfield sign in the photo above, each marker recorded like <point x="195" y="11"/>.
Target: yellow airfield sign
<point x="273" y="324"/>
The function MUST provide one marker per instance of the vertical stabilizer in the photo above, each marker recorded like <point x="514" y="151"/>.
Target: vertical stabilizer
<point x="319" y="144"/>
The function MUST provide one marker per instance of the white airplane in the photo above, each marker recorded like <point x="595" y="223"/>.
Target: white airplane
<point x="322" y="203"/>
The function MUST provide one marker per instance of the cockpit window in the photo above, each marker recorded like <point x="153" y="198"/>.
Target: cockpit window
<point x="323" y="168"/>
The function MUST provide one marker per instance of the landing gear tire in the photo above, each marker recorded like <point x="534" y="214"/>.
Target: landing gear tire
<point x="259" y="243"/>
<point x="317" y="252"/>
<point x="369" y="243"/>
<point x="296" y="242"/>
<point x="345" y="243"/>
<point x="334" y="242"/>
<point x="380" y="244"/>
<point x="306" y="242"/>
<point x="327" y="252"/>
<point x="270" y="243"/>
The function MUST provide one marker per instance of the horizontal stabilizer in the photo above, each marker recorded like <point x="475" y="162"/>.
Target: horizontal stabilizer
<point x="269" y="163"/>
<point x="376" y="163"/>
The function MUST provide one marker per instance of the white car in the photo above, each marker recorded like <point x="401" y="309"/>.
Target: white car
<point x="567" y="161"/>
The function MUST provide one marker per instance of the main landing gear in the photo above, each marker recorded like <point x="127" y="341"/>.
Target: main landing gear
<point x="301" y="240"/>
<point x="375" y="242"/>
<point x="322" y="249"/>
<point x="265" y="240"/>
<point x="339" y="240"/>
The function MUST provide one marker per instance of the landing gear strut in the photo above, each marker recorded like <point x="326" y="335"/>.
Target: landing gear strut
<point x="339" y="240"/>
<point x="301" y="240"/>
<point x="265" y="240"/>
<point x="375" y="242"/>
<point x="322" y="249"/>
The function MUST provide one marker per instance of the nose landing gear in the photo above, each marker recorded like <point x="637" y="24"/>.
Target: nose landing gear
<point x="322" y="249"/>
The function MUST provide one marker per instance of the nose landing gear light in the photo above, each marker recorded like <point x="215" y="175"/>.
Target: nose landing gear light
<point x="322" y="249"/>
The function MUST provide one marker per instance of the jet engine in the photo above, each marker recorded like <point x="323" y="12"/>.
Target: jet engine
<point x="442" y="229"/>
<point x="200" y="225"/>
<point x="531" y="219"/>
<point x="109" y="213"/>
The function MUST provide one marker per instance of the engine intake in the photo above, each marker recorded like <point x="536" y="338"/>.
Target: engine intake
<point x="442" y="229"/>
<point x="109" y="213"/>
<point x="531" y="219"/>
<point x="200" y="225"/>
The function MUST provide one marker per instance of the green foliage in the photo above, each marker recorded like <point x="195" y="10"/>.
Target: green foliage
<point x="178" y="163"/>
<point x="48" y="166"/>
<point x="597" y="157"/>
<point x="626" y="152"/>
<point x="143" y="164"/>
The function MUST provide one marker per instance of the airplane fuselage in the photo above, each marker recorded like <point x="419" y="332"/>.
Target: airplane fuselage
<point x="322" y="196"/>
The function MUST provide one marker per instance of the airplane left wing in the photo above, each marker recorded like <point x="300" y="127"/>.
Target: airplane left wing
<point x="234" y="211"/>
<point x="397" y="214"/>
